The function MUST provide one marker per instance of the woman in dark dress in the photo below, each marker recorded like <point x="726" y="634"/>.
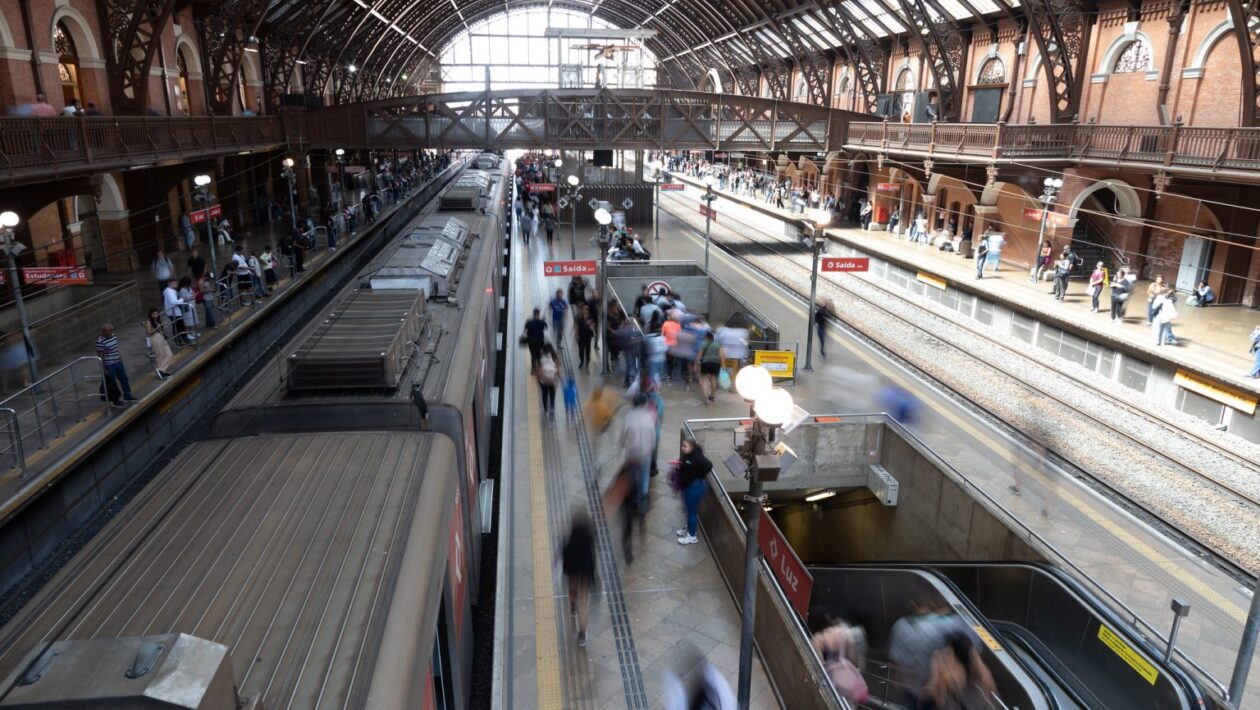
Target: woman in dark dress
<point x="578" y="561"/>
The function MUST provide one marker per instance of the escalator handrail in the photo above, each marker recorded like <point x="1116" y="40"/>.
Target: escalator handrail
<point x="1053" y="667"/>
<point x="959" y="602"/>
<point x="1185" y="681"/>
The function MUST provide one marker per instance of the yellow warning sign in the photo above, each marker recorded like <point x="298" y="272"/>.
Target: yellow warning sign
<point x="1216" y="391"/>
<point x="988" y="639"/>
<point x="931" y="280"/>
<point x="779" y="363"/>
<point x="1128" y="654"/>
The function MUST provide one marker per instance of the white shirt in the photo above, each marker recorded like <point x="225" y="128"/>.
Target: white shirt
<point x="172" y="302"/>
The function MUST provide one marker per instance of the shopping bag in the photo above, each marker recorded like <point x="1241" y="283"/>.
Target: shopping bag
<point x="724" y="379"/>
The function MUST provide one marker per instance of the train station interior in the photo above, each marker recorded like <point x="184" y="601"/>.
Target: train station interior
<point x="630" y="353"/>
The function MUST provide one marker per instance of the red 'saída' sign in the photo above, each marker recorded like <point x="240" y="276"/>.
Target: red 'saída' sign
<point x="845" y="264"/>
<point x="216" y="211"/>
<point x="672" y="186"/>
<point x="1053" y="219"/>
<point x="542" y="187"/>
<point x="795" y="581"/>
<point x="569" y="268"/>
<point x="888" y="187"/>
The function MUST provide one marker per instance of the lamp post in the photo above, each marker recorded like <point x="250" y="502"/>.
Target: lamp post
<point x="1049" y="193"/>
<point x="574" y="194"/>
<point x="341" y="175"/>
<point x="658" y="177"/>
<point x="708" y="198"/>
<point x="901" y="198"/>
<point x="8" y="222"/>
<point x="604" y="218"/>
<point x="771" y="406"/>
<point x="818" y="221"/>
<point x="202" y="182"/>
<point x="289" y="177"/>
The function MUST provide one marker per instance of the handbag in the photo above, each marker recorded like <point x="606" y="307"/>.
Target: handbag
<point x="724" y="379"/>
<point x="847" y="681"/>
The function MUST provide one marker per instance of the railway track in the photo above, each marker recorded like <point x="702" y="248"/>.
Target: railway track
<point x="1017" y="365"/>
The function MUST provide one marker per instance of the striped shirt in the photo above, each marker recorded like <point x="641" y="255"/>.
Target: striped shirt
<point x="107" y="349"/>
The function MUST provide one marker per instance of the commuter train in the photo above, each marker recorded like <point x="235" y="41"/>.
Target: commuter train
<point x="325" y="536"/>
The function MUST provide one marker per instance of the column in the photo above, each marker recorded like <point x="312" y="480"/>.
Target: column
<point x="120" y="253"/>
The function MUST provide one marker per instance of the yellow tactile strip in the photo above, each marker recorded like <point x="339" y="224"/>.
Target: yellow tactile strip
<point x="547" y="650"/>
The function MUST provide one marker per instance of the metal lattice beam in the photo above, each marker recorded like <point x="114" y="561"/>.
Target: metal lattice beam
<point x="945" y="48"/>
<point x="225" y="29"/>
<point x="1061" y="30"/>
<point x="1246" y="17"/>
<point x="871" y="60"/>
<point x="132" y="30"/>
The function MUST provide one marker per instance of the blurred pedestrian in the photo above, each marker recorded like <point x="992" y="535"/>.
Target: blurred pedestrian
<point x="693" y="482"/>
<point x="1120" y="293"/>
<point x="163" y="269"/>
<point x="900" y="405"/>
<point x="710" y="366"/>
<point x="638" y="440"/>
<point x="570" y="399"/>
<point x="578" y="563"/>
<point x="584" y="326"/>
<point x="41" y="108"/>
<point x="558" y="307"/>
<point x="1163" y="311"/>
<point x="696" y="685"/>
<point x="842" y="650"/>
<point x="1153" y="291"/>
<point x="1255" y="353"/>
<point x="982" y="254"/>
<point x="958" y="678"/>
<point x="914" y="639"/>
<point x="821" y="313"/>
<point x="734" y="342"/>
<point x="548" y="373"/>
<point x="533" y="336"/>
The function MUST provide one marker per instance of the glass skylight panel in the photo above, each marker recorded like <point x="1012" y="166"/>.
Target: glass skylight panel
<point x="985" y="6"/>
<point x="866" y="24"/>
<point x="885" y="16"/>
<point x="955" y="8"/>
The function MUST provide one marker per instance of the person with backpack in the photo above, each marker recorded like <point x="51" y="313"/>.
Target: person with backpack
<point x="692" y="482"/>
<point x="710" y="366"/>
<point x="548" y="373"/>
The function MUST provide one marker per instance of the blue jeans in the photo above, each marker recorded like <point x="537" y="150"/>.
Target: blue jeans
<point x="118" y="372"/>
<point x="1255" y="366"/>
<point x="643" y="478"/>
<point x="692" y="495"/>
<point x="209" y="306"/>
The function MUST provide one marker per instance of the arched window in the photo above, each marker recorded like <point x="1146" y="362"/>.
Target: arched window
<point x="181" y="96"/>
<point x="905" y="81"/>
<point x="842" y="98"/>
<point x="1136" y="57"/>
<point x="801" y="94"/>
<point x="905" y="87"/>
<point x="992" y="72"/>
<point x="67" y="63"/>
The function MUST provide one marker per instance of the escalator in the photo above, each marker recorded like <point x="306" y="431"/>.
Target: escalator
<point x="1047" y="643"/>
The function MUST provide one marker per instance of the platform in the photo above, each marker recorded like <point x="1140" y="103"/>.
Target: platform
<point x="1138" y="566"/>
<point x="1213" y="340"/>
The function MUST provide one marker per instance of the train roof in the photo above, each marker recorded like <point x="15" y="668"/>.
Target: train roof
<point x="285" y="548"/>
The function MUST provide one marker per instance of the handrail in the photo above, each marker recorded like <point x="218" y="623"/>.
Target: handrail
<point x="1014" y="521"/>
<point x="45" y="392"/>
<point x="15" y="439"/>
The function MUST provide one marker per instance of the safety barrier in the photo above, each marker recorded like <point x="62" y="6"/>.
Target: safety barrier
<point x="43" y="411"/>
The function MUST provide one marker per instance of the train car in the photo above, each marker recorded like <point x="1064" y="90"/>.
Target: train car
<point x="326" y="532"/>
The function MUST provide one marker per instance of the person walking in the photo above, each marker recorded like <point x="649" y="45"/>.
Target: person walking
<point x="915" y="638"/>
<point x="958" y="678"/>
<point x="821" y="314"/>
<point x="534" y="336"/>
<point x="558" y="308"/>
<point x="548" y="373"/>
<point x="982" y="254"/>
<point x="1119" y="295"/>
<point x="115" y="371"/>
<point x="638" y="440"/>
<point x="577" y="559"/>
<point x="584" y="329"/>
<point x="1255" y="353"/>
<point x="1096" y="279"/>
<point x="693" y="483"/>
<point x="842" y="648"/>
<point x="162" y="355"/>
<point x="1164" y="311"/>
<point x="710" y="365"/>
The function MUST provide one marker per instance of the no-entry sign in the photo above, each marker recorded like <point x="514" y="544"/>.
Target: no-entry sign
<point x="793" y="578"/>
<point x="569" y="268"/>
<point x="845" y="264"/>
<point x="672" y="186"/>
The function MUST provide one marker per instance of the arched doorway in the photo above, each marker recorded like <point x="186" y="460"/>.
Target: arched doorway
<point x="181" y="85"/>
<point x="1107" y="227"/>
<point x="67" y="64"/>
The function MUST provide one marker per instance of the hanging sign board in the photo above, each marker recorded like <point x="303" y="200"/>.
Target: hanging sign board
<point x="569" y="268"/>
<point x="708" y="211"/>
<point x="888" y="187"/>
<point x="795" y="581"/>
<point x="216" y="211"/>
<point x="672" y="186"/>
<point x="831" y="264"/>
<point x="1054" y="219"/>
<point x="542" y="187"/>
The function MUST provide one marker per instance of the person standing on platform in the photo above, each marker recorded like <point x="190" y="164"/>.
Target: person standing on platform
<point x="1164" y="311"/>
<point x="577" y="559"/>
<point x="584" y="329"/>
<point x="867" y="211"/>
<point x="196" y="266"/>
<point x="107" y="351"/>
<point x="558" y="308"/>
<point x="982" y="254"/>
<point x="1255" y="353"/>
<point x="534" y="336"/>
<point x="161" y="350"/>
<point x="1119" y="295"/>
<point x="693" y="483"/>
<point x="1152" y="292"/>
<point x="163" y="270"/>
<point x="1041" y="263"/>
<point x="711" y="357"/>
<point x="1096" y="285"/>
<point x="1062" y="270"/>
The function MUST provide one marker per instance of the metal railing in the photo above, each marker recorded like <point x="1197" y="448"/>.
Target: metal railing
<point x="1174" y="146"/>
<point x="44" y="410"/>
<point x="1157" y="639"/>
